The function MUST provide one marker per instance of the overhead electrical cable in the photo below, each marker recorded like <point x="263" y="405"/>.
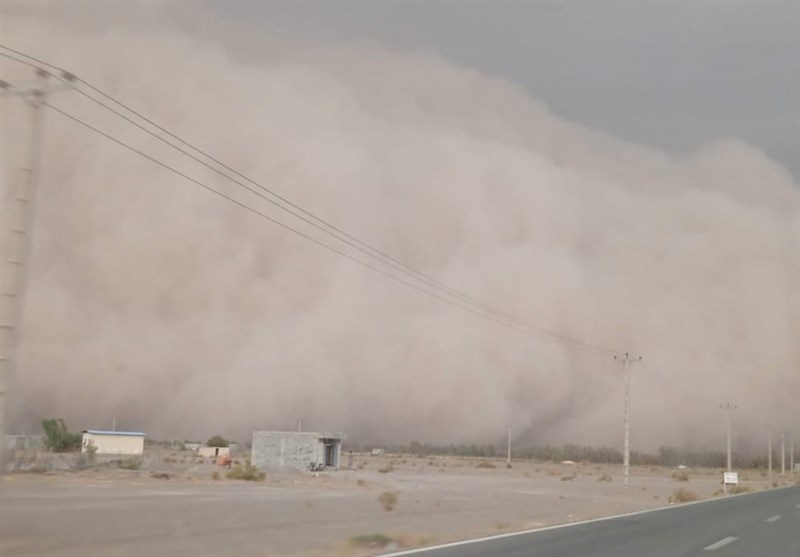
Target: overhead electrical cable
<point x="294" y="209"/>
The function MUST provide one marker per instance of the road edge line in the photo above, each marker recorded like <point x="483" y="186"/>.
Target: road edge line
<point x="417" y="550"/>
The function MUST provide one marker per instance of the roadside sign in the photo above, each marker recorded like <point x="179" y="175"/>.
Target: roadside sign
<point x="730" y="478"/>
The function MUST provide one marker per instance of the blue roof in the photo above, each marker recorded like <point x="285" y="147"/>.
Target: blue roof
<point x="103" y="432"/>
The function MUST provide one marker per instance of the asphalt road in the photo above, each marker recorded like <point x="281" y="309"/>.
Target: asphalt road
<point x="763" y="524"/>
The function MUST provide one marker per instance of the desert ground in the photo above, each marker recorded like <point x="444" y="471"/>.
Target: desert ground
<point x="177" y="504"/>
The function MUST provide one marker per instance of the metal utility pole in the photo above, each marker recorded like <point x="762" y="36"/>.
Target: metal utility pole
<point x="626" y="455"/>
<point x="728" y="407"/>
<point x="14" y="262"/>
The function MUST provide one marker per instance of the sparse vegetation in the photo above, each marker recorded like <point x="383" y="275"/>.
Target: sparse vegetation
<point x="130" y="464"/>
<point x="387" y="469"/>
<point x="361" y="483"/>
<point x="604" y="478"/>
<point x="739" y="489"/>
<point x="373" y="541"/>
<point x="680" y="476"/>
<point x="683" y="495"/>
<point x="215" y="475"/>
<point x="485" y="464"/>
<point x="569" y="477"/>
<point x="57" y="438"/>
<point x="388" y="500"/>
<point x="247" y="472"/>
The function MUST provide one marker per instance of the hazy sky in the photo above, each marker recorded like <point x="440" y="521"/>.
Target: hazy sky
<point x="645" y="206"/>
<point x="670" y="74"/>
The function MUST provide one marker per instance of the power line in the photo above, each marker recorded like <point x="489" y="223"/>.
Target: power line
<point x="284" y="225"/>
<point x="301" y="213"/>
<point x="325" y="226"/>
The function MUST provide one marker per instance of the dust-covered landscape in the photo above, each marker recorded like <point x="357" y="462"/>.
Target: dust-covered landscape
<point x="246" y="243"/>
<point x="173" y="506"/>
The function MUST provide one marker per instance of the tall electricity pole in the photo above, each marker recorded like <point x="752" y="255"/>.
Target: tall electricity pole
<point x="728" y="407"/>
<point x="508" y="455"/>
<point x="769" y="453"/>
<point x="15" y="260"/>
<point x="783" y="453"/>
<point x="626" y="454"/>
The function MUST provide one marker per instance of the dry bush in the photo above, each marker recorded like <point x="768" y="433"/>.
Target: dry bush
<point x="683" y="495"/>
<point x="386" y="469"/>
<point x="248" y="473"/>
<point x="372" y="541"/>
<point x="680" y="476"/>
<point x="739" y="489"/>
<point x="604" y="478"/>
<point x="485" y="464"/>
<point x="130" y="464"/>
<point x="569" y="477"/>
<point x="361" y="483"/>
<point x="215" y="475"/>
<point x="388" y="500"/>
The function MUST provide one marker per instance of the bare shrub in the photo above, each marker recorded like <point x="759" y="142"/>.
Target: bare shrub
<point x="739" y="489"/>
<point x="373" y="541"/>
<point x="130" y="464"/>
<point x="361" y="483"/>
<point x="604" y="478"/>
<point x="215" y="475"/>
<point x="388" y="500"/>
<point x="569" y="477"/>
<point x="485" y="464"/>
<point x="387" y="469"/>
<point x="680" y="476"/>
<point x="247" y="472"/>
<point x="683" y="495"/>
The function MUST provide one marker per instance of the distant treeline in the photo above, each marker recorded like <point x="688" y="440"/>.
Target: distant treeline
<point x="666" y="456"/>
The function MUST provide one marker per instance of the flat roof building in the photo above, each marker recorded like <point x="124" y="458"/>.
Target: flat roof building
<point x="304" y="450"/>
<point x="113" y="442"/>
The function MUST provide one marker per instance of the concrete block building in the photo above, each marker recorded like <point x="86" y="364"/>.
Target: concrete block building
<point x="295" y="449"/>
<point x="114" y="442"/>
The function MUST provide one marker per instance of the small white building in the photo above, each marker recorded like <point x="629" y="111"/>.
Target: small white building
<point x="113" y="442"/>
<point x="213" y="451"/>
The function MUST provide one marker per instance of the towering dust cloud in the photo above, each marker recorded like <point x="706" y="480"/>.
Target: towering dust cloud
<point x="153" y="302"/>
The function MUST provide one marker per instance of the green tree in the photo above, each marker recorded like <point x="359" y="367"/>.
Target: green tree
<point x="217" y="441"/>
<point x="58" y="438"/>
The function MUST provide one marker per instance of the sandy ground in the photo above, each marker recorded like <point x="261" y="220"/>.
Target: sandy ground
<point x="114" y="512"/>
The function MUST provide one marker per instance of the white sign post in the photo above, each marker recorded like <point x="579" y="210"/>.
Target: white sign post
<point x="729" y="478"/>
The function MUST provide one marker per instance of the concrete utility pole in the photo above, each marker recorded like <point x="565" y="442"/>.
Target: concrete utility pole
<point x="728" y="407"/>
<point x="791" y="454"/>
<point x="508" y="455"/>
<point x="626" y="455"/>
<point x="14" y="262"/>
<point x="769" y="453"/>
<point x="783" y="453"/>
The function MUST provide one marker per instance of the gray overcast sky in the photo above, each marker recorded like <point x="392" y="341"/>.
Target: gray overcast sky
<point x="671" y="74"/>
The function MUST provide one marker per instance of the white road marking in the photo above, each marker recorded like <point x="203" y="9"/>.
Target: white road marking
<point x="775" y="518"/>
<point x="429" y="548"/>
<point x="721" y="543"/>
